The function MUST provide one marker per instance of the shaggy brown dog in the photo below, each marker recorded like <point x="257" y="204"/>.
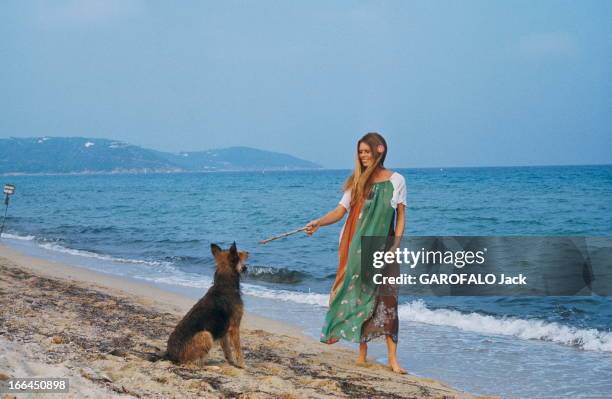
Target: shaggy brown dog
<point x="215" y="317"/>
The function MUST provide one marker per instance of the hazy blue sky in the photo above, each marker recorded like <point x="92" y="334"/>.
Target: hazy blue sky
<point x="449" y="83"/>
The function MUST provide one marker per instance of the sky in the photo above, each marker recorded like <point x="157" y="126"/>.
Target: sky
<point x="448" y="83"/>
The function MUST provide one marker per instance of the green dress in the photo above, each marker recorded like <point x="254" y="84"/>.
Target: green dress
<point x="354" y="303"/>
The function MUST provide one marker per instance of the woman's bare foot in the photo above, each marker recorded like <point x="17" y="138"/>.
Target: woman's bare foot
<point x="395" y="367"/>
<point x="362" y="359"/>
<point x="392" y="350"/>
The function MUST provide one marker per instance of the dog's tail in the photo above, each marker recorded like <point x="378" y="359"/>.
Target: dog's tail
<point x="145" y="355"/>
<point x="157" y="356"/>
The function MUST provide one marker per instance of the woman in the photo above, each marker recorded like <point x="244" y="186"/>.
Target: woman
<point x="375" y="198"/>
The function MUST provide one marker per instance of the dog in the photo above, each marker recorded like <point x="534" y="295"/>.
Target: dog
<point x="215" y="317"/>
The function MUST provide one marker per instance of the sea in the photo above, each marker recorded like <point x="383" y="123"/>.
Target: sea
<point x="157" y="229"/>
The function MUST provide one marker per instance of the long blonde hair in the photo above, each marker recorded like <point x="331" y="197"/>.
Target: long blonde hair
<point x="360" y="180"/>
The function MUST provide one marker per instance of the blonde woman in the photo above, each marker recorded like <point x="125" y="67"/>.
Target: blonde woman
<point x="375" y="199"/>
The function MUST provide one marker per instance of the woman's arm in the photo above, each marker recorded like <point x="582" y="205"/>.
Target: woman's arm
<point x="400" y="222"/>
<point x="330" y="217"/>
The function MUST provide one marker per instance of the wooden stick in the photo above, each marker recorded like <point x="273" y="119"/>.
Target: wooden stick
<point x="282" y="235"/>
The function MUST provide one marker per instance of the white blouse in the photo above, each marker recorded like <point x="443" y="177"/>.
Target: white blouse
<point x="399" y="192"/>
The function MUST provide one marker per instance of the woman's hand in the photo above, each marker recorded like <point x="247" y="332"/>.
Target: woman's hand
<point x="330" y="217"/>
<point x="312" y="226"/>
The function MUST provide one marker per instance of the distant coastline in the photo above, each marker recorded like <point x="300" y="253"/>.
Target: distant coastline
<point x="82" y="155"/>
<point x="156" y="172"/>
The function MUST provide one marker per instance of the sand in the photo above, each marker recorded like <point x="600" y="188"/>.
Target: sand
<point x="105" y="334"/>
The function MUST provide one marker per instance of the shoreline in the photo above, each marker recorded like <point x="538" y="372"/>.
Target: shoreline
<point x="122" y="324"/>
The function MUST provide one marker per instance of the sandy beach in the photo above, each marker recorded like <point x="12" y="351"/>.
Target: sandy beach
<point x="105" y="334"/>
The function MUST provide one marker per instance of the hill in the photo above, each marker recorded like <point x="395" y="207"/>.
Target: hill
<point x="89" y="155"/>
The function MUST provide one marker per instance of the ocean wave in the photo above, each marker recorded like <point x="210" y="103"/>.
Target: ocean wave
<point x="94" y="229"/>
<point x="109" y="258"/>
<point x="306" y="298"/>
<point x="532" y="329"/>
<point x="271" y="274"/>
<point x="18" y="237"/>
<point x="200" y="262"/>
<point x="204" y="282"/>
<point x="180" y="279"/>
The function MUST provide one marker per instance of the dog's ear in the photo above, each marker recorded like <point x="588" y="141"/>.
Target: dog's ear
<point x="215" y="249"/>
<point x="233" y="251"/>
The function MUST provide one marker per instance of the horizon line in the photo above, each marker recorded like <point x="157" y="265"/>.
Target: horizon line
<point x="322" y="168"/>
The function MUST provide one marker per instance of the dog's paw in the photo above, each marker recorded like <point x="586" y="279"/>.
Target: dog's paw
<point x="239" y="364"/>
